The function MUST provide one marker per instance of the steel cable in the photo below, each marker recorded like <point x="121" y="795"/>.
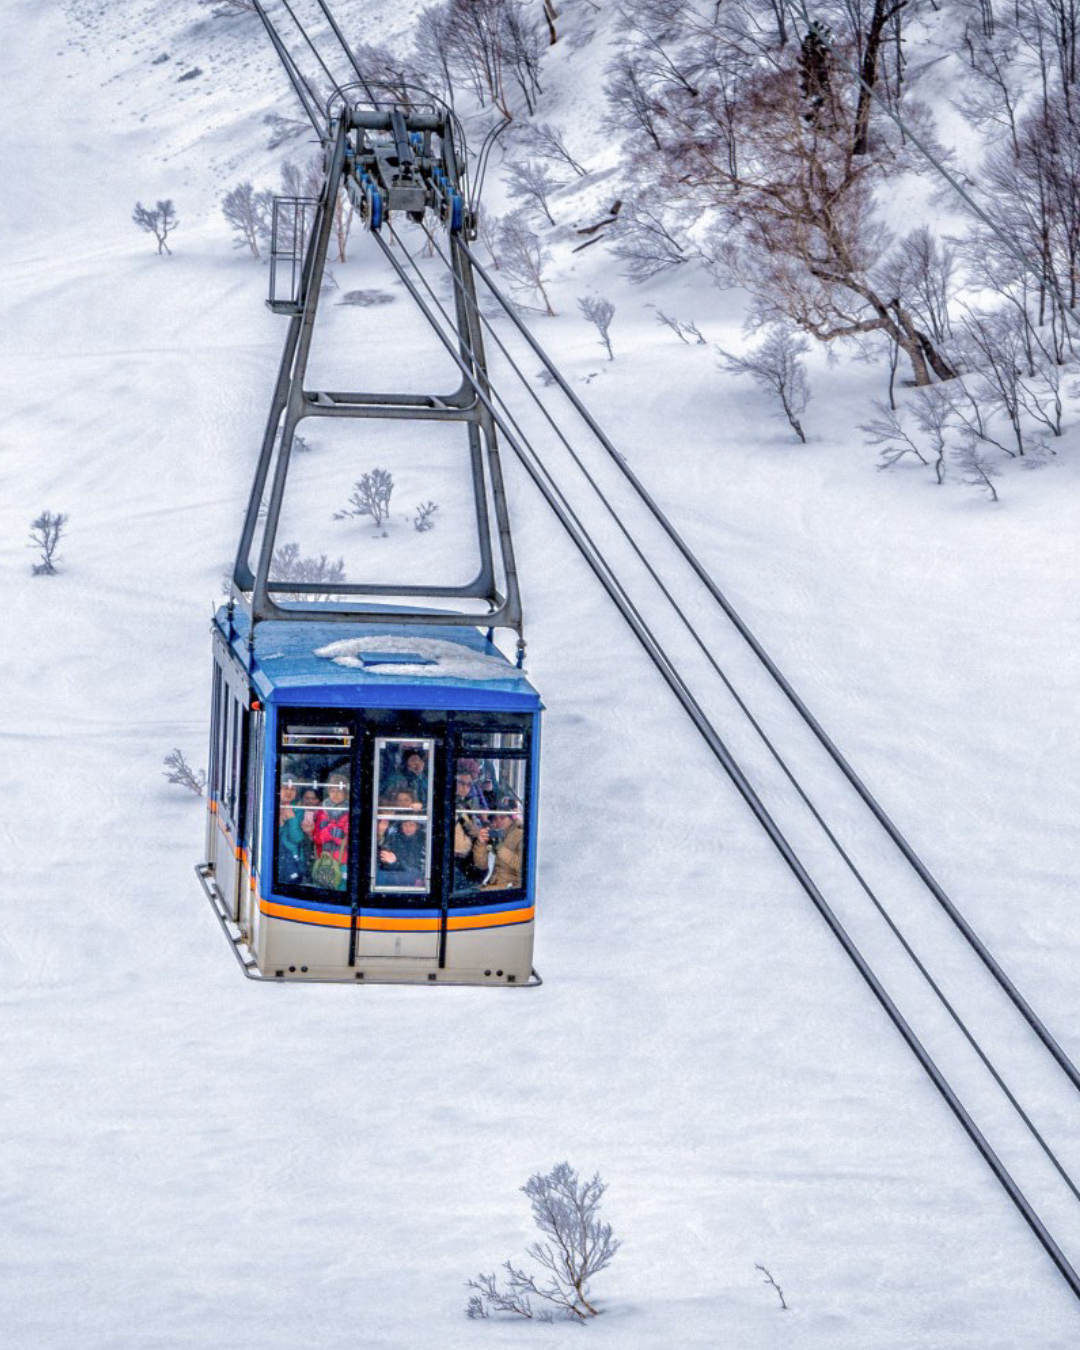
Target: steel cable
<point x="922" y="871"/>
<point x="740" y="702"/>
<point x="568" y="519"/>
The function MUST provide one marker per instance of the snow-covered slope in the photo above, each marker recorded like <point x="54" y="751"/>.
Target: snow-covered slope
<point x="190" y="1160"/>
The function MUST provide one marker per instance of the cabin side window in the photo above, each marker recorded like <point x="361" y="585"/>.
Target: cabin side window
<point x="313" y="796"/>
<point x="490" y="785"/>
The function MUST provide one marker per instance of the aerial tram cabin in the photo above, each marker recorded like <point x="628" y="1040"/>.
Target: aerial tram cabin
<point x="372" y="803"/>
<point x="374" y="754"/>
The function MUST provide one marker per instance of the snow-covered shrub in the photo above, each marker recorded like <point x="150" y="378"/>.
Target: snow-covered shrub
<point x="289" y="565"/>
<point x="45" y="533"/>
<point x="578" y="1246"/>
<point x="422" y="521"/>
<point x="180" y="772"/>
<point x="159" y="220"/>
<point x="775" y="367"/>
<point x="600" y="312"/>
<point x="370" y="497"/>
<point x="248" y="213"/>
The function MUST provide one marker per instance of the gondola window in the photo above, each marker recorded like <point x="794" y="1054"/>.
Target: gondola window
<point x="314" y="789"/>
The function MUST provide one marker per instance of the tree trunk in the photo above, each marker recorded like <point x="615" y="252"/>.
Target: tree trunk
<point x="868" y="73"/>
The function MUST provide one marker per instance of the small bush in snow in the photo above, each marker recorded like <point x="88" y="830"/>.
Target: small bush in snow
<point x="180" y="772"/>
<point x="678" y="328"/>
<point x="370" y="497"/>
<point x="976" y="469"/>
<point x="45" y="533"/>
<point x="533" y="184"/>
<point x="775" y="367"/>
<point x="524" y="258"/>
<point x="769" y="1280"/>
<point x="288" y="565"/>
<point x="578" y="1246"/>
<point x="159" y="220"/>
<point x="600" y="312"/>
<point x="422" y="521"/>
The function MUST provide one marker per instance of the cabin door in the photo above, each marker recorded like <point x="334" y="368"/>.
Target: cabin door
<point x="400" y="886"/>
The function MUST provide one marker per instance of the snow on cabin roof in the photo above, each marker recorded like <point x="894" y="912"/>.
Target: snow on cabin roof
<point x="440" y="665"/>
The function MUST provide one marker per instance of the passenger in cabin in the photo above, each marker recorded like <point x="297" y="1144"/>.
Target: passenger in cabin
<point x="386" y="858"/>
<point x="410" y="846"/>
<point x="413" y="775"/>
<point x="470" y="836"/>
<point x="296" y="848"/>
<point x="402" y="846"/>
<point x="480" y="788"/>
<point x="403" y="800"/>
<point x="331" y="835"/>
<point x="287" y="798"/>
<point x="509" y="839"/>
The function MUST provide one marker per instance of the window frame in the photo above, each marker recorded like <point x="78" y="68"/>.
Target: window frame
<point x="458" y="732"/>
<point x="375" y="891"/>
<point x="344" y="717"/>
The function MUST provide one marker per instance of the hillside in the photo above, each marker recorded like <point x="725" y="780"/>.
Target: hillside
<point x="194" y="1161"/>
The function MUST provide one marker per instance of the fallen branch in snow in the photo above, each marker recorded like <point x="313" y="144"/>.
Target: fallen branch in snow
<point x="769" y="1280"/>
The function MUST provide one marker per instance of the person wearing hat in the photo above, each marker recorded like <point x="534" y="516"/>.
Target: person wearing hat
<point x="296" y="849"/>
<point x="331" y="834"/>
<point x="290" y="789"/>
<point x="510" y="832"/>
<point x="413" y="776"/>
<point x="470" y="838"/>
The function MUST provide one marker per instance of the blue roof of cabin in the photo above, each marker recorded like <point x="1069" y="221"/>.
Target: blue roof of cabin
<point x="443" y="666"/>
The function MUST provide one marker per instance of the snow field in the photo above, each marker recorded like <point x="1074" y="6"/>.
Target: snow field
<point x="191" y="1161"/>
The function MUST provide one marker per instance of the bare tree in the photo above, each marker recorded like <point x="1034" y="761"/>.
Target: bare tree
<point x="600" y="312"/>
<point x="921" y="272"/>
<point x="548" y="142"/>
<point x="493" y="45"/>
<point x="776" y="368"/>
<point x="994" y="98"/>
<point x="370" y="497"/>
<point x="633" y="105"/>
<point x="679" y="328"/>
<point x="423" y="520"/>
<point x="248" y="213"/>
<point x="793" y="195"/>
<point x="180" y="772"/>
<point x="45" y="534"/>
<point x="288" y="564"/>
<point x="647" y="240"/>
<point x="159" y="220"/>
<point x="933" y="411"/>
<point x="488" y="230"/>
<point x="533" y="183"/>
<point x="993" y="344"/>
<point x="976" y="469"/>
<point x="886" y="433"/>
<point x="577" y="1246"/>
<point x="524" y="258"/>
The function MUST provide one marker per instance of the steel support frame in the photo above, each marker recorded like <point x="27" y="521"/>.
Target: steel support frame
<point x="291" y="403"/>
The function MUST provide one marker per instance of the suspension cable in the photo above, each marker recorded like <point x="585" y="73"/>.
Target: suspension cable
<point x="601" y="569"/>
<point x="308" y="99"/>
<point x="923" y="872"/>
<point x="725" y="679"/>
